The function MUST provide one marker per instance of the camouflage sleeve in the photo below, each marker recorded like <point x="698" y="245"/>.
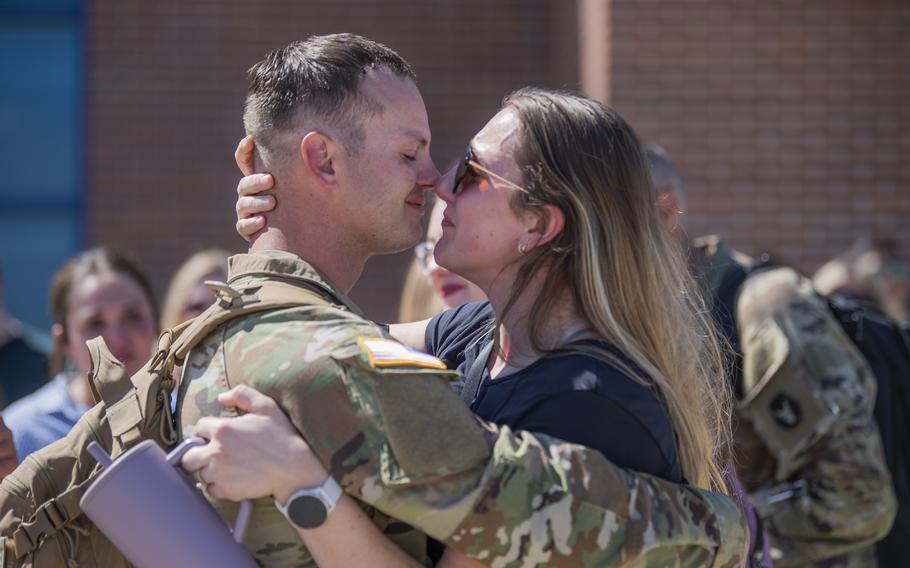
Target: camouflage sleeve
<point x="809" y="401"/>
<point x="397" y="438"/>
<point x="544" y="502"/>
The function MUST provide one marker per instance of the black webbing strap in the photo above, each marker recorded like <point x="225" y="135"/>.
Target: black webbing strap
<point x="475" y="375"/>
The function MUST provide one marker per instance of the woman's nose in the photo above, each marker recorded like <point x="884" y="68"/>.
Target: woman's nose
<point x="444" y="187"/>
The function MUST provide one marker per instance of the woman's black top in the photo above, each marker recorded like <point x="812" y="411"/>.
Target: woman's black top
<point x="574" y="397"/>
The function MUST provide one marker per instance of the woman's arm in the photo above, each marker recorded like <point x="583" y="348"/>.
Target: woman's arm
<point x="349" y="538"/>
<point x="454" y="559"/>
<point x="286" y="464"/>
<point x="411" y="334"/>
<point x="251" y="207"/>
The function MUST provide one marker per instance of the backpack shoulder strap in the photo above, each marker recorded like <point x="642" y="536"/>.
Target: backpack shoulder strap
<point x="475" y="376"/>
<point x="129" y="401"/>
<point x="234" y="303"/>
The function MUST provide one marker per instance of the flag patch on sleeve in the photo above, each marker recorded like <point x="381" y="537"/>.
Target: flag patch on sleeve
<point x="387" y="353"/>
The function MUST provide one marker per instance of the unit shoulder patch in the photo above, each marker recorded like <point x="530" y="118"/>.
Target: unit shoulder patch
<point x="389" y="353"/>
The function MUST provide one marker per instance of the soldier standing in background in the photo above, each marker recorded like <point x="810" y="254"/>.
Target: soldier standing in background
<point x="808" y="448"/>
<point x="24" y="356"/>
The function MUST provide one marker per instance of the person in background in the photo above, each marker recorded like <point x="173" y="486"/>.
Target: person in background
<point x="429" y="288"/>
<point x="98" y="292"/>
<point x="807" y="446"/>
<point x="418" y="299"/>
<point x="871" y="271"/>
<point x="24" y="355"/>
<point x="187" y="296"/>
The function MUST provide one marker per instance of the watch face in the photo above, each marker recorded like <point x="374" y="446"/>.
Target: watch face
<point x="307" y="512"/>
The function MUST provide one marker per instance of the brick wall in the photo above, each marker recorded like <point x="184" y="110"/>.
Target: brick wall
<point x="789" y="119"/>
<point x="167" y="81"/>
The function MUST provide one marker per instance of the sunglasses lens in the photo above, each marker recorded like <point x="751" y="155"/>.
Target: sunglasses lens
<point x="461" y="171"/>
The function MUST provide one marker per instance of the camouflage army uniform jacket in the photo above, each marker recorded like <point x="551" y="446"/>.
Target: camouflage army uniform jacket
<point x="386" y="424"/>
<point x="808" y="449"/>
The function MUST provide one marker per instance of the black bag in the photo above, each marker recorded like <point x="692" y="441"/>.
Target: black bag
<point x="886" y="347"/>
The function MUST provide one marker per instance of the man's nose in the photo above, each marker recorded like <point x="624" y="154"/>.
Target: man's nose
<point x="429" y="176"/>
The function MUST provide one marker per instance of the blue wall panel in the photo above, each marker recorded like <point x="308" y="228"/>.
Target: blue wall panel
<point x="41" y="148"/>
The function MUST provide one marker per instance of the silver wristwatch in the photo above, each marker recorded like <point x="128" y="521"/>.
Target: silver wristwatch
<point x="308" y="508"/>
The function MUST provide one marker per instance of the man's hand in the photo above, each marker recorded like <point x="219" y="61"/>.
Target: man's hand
<point x="8" y="459"/>
<point x="250" y="206"/>
<point x="254" y="455"/>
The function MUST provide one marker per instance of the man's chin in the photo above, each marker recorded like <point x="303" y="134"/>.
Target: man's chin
<point x="394" y="246"/>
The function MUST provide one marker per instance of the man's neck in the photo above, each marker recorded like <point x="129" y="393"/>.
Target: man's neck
<point x="341" y="266"/>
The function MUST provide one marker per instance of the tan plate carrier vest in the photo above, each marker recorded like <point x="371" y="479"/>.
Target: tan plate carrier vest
<point x="42" y="524"/>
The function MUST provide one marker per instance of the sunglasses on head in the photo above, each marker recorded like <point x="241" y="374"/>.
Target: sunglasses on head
<point x="469" y="163"/>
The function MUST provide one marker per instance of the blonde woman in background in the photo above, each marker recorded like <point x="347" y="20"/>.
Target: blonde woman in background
<point x="187" y="295"/>
<point x="430" y="289"/>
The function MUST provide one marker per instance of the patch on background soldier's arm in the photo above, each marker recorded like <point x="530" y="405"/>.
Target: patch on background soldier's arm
<point x="781" y="402"/>
<point x="388" y="353"/>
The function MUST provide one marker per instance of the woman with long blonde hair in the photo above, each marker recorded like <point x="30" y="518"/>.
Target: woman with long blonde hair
<point x="187" y="295"/>
<point x="552" y="213"/>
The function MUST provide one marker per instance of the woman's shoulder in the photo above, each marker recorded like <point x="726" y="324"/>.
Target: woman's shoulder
<point x="453" y="331"/>
<point x="465" y="316"/>
<point x="616" y="378"/>
<point x="630" y="403"/>
<point x="600" y="368"/>
<point x="50" y="396"/>
<point x="41" y="417"/>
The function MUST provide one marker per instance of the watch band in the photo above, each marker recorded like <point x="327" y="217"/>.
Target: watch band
<point x="331" y="491"/>
<point x="327" y="494"/>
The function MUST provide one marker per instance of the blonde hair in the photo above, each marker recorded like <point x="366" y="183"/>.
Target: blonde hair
<point x="209" y="262"/>
<point x="622" y="269"/>
<point x="418" y="299"/>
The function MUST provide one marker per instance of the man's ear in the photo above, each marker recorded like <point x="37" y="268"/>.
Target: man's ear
<point x="318" y="152"/>
<point x="668" y="204"/>
<point x="550" y="223"/>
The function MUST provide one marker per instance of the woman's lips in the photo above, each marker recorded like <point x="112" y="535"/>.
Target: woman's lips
<point x="449" y="289"/>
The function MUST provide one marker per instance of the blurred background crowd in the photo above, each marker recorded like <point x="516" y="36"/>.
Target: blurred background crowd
<point x="788" y="120"/>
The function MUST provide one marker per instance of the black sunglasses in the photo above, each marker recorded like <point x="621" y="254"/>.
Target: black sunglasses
<point x="468" y="162"/>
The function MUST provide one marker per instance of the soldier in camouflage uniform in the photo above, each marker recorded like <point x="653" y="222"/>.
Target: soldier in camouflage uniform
<point x="808" y="448"/>
<point x="391" y="431"/>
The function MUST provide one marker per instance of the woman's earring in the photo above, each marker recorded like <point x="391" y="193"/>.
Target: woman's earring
<point x="522" y="248"/>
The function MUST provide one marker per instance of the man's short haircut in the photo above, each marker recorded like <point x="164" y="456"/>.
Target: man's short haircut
<point x="315" y="83"/>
